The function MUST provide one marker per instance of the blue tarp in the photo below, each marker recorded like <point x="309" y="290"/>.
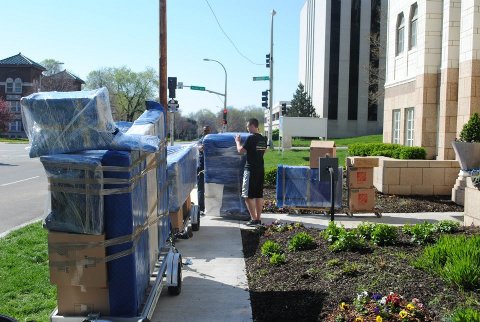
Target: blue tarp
<point x="224" y="170"/>
<point x="63" y="122"/>
<point x="299" y="186"/>
<point x="182" y="173"/>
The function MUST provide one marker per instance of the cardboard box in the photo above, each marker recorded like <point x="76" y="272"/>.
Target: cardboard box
<point x="360" y="177"/>
<point x="361" y="199"/>
<point x="71" y="263"/>
<point x="362" y="162"/>
<point x="79" y="300"/>
<point x="176" y="219"/>
<point x="319" y="149"/>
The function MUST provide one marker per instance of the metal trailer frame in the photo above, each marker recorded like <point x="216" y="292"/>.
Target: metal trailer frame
<point x="169" y="266"/>
<point x="190" y="224"/>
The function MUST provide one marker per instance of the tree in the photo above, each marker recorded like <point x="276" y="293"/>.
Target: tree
<point x="5" y="116"/>
<point x="128" y="89"/>
<point x="204" y="117"/>
<point x="301" y="104"/>
<point x="53" y="66"/>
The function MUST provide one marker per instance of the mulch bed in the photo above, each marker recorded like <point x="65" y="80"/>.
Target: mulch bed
<point x="312" y="283"/>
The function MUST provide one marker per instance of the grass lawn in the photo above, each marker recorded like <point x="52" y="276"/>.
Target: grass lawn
<point x="297" y="142"/>
<point x="295" y="157"/>
<point x="25" y="290"/>
<point x="6" y="140"/>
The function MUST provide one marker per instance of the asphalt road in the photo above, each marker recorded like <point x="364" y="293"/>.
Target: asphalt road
<point x="23" y="187"/>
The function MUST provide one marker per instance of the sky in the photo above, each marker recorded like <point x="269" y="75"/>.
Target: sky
<point x="91" y="34"/>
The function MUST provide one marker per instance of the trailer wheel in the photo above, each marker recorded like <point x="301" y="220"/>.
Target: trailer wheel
<point x="196" y="226"/>
<point x="176" y="290"/>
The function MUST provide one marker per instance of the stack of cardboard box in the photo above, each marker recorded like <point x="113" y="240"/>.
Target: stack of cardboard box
<point x="361" y="193"/>
<point x="320" y="149"/>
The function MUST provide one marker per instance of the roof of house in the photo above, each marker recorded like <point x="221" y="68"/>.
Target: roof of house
<point x="67" y="74"/>
<point x="20" y="60"/>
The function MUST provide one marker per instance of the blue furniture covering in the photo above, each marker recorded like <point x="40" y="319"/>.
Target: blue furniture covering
<point x="62" y="122"/>
<point x="224" y="165"/>
<point x="299" y="186"/>
<point x="182" y="173"/>
<point x="120" y="179"/>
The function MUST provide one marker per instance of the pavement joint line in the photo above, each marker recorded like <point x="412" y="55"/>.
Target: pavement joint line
<point x="18" y="181"/>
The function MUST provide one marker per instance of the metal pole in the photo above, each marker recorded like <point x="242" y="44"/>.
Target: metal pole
<point x="270" y="142"/>
<point x="172" y="126"/>
<point x="224" y="127"/>
<point x="162" y="95"/>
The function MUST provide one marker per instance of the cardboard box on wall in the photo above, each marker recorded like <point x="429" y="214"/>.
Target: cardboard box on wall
<point x="362" y="162"/>
<point x="360" y="177"/>
<point x="319" y="149"/>
<point x="79" y="300"/>
<point x="361" y="199"/>
<point x="71" y="263"/>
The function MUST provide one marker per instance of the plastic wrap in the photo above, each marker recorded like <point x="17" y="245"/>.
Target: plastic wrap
<point x="224" y="168"/>
<point x="123" y="126"/>
<point x="63" y="122"/>
<point x="133" y="188"/>
<point x="182" y="173"/>
<point x="299" y="186"/>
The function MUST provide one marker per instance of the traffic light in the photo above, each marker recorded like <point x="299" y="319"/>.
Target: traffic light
<point x="284" y="108"/>
<point x="265" y="98"/>
<point x="225" y="116"/>
<point x="172" y="85"/>
<point x="267" y="60"/>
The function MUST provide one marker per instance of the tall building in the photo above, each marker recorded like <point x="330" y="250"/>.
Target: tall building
<point x="433" y="72"/>
<point x="341" y="63"/>
<point x="19" y="76"/>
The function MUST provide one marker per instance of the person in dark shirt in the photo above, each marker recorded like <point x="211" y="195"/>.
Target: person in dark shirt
<point x="200" y="171"/>
<point x="253" y="175"/>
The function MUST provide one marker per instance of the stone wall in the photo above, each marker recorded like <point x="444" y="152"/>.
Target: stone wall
<point x="415" y="177"/>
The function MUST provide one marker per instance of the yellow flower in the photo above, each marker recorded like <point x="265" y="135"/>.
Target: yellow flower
<point x="344" y="306"/>
<point x="410" y="306"/>
<point x="403" y="314"/>
<point x="378" y="319"/>
<point x="359" y="319"/>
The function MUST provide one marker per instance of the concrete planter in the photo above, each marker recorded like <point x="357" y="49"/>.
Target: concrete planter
<point x="468" y="154"/>
<point x="472" y="204"/>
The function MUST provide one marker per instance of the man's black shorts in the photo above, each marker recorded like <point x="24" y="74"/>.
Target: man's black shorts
<point x="252" y="186"/>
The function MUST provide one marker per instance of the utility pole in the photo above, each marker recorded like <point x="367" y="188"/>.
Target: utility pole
<point x="163" y="53"/>
<point x="270" y="142"/>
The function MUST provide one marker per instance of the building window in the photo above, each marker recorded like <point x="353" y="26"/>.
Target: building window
<point x="396" y="127"/>
<point x="9" y="86"/>
<point x="17" y="87"/>
<point x="16" y="126"/>
<point x="413" y="26"/>
<point x="400" y="33"/>
<point x="409" y="124"/>
<point x="14" y="106"/>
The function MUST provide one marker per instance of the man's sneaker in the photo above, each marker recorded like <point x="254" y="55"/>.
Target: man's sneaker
<point x="253" y="223"/>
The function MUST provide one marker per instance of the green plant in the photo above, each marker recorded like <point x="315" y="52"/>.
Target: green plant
<point x="388" y="150"/>
<point x="332" y="232"/>
<point x="269" y="248"/>
<point x="471" y="130"/>
<point x="465" y="314"/>
<point x="270" y="177"/>
<point x="365" y="230"/>
<point x="277" y="259"/>
<point x="348" y="241"/>
<point x="351" y="269"/>
<point x="421" y="233"/>
<point x="334" y="262"/>
<point x="383" y="234"/>
<point x="476" y="181"/>
<point x="447" y="226"/>
<point x="301" y="241"/>
<point x="455" y="259"/>
<point x="275" y="134"/>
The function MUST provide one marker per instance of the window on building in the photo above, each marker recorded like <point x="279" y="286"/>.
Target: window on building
<point x="9" y="86"/>
<point x="396" y="127"/>
<point x="413" y="26"/>
<point x="14" y="106"/>
<point x="400" y="33"/>
<point x="409" y="124"/>
<point x="16" y="126"/>
<point x="18" y="86"/>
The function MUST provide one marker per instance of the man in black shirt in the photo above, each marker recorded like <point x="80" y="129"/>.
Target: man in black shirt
<point x="201" y="170"/>
<point x="252" y="189"/>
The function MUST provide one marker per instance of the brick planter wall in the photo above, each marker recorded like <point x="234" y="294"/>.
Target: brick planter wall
<point x="472" y="204"/>
<point x="415" y="177"/>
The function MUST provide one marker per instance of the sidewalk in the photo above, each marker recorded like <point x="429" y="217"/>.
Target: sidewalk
<point x="215" y="284"/>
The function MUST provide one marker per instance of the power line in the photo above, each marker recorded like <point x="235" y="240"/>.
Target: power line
<point x="231" y="41"/>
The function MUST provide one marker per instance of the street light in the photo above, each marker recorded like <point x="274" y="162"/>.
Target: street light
<point x="225" y="93"/>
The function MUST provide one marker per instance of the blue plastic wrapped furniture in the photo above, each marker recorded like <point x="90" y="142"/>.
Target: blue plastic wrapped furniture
<point x="133" y="188"/>
<point x="300" y="187"/>
<point x="223" y="176"/>
<point x="182" y="173"/>
<point x="63" y="122"/>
